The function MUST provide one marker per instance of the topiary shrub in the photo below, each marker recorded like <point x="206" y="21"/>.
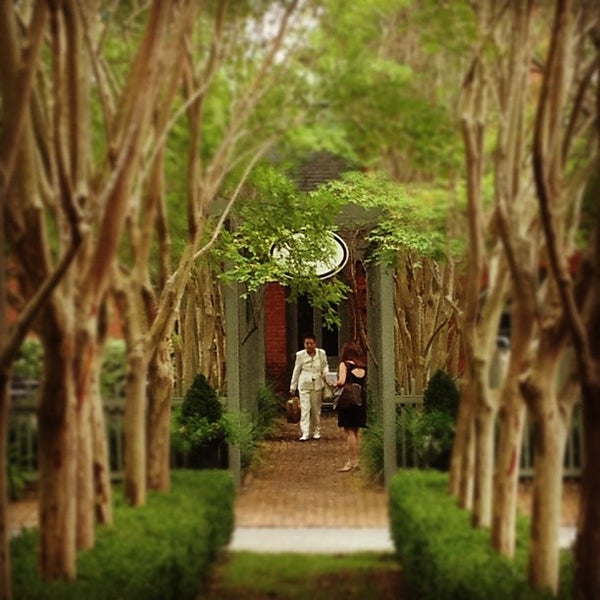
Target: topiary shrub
<point x="202" y="400"/>
<point x="441" y="394"/>
<point x="430" y="431"/>
<point x="199" y="429"/>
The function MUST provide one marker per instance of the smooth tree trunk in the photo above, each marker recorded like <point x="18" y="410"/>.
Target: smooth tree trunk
<point x="135" y="428"/>
<point x="100" y="462"/>
<point x="515" y="215"/>
<point x="160" y="394"/>
<point x="100" y="456"/>
<point x="134" y="314"/>
<point x="57" y="451"/>
<point x="86" y="365"/>
<point x="484" y="425"/>
<point x="551" y="434"/>
<point x="462" y="466"/>
<point x="511" y="420"/>
<point x="486" y="398"/>
<point x="202" y="329"/>
<point x="85" y="482"/>
<point x="550" y="414"/>
<point x="511" y="413"/>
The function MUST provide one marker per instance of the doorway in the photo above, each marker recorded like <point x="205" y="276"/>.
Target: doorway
<point x="304" y="318"/>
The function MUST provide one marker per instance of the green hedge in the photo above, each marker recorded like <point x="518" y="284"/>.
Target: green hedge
<point x="444" y="557"/>
<point x="160" y="551"/>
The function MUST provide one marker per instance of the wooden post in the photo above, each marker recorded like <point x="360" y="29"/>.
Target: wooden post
<point x="380" y="316"/>
<point x="245" y="341"/>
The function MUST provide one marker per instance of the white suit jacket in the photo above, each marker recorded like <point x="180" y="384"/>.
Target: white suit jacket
<point x="309" y="371"/>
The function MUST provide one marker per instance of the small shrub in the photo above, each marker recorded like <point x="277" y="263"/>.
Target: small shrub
<point x="269" y="408"/>
<point x="442" y="395"/>
<point x="202" y="400"/>
<point x="199" y="429"/>
<point x="430" y="430"/>
<point x="371" y="452"/>
<point x="247" y="432"/>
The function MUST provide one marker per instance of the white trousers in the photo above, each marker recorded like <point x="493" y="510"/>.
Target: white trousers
<point x="310" y="412"/>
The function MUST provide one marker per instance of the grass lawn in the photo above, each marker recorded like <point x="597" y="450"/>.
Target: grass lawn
<point x="251" y="575"/>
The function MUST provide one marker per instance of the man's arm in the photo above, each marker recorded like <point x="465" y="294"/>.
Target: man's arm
<point x="324" y="364"/>
<point x="295" y="374"/>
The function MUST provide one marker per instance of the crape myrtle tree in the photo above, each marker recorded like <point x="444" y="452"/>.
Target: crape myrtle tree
<point x="501" y="86"/>
<point x="17" y="72"/>
<point x="64" y="175"/>
<point x="93" y="141"/>
<point x="565" y="156"/>
<point x="472" y="462"/>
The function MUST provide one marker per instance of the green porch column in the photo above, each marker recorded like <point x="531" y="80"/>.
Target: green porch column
<point x="380" y="315"/>
<point x="245" y="341"/>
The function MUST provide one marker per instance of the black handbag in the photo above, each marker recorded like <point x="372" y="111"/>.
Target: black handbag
<point x="349" y="394"/>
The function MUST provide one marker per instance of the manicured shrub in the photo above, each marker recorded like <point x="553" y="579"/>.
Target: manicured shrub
<point x="430" y="428"/>
<point x="441" y="394"/>
<point x="199" y="430"/>
<point x="161" y="551"/>
<point x="444" y="558"/>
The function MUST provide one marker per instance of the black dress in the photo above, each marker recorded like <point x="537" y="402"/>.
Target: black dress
<point x="354" y="416"/>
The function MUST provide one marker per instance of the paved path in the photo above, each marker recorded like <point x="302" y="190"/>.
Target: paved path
<point x="295" y="499"/>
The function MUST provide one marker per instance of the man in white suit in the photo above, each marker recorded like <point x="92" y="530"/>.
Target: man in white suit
<point x="308" y="378"/>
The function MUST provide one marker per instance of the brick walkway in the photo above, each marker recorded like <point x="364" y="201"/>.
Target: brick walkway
<point x="296" y="484"/>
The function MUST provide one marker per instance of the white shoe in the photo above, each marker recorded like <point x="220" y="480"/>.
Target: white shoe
<point x="304" y="438"/>
<point x="317" y="436"/>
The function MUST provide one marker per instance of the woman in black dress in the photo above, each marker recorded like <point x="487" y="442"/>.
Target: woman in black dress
<point x="352" y="369"/>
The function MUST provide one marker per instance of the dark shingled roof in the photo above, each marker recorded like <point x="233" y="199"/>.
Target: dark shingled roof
<point x="319" y="167"/>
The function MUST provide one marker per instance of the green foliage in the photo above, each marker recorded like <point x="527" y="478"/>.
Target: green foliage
<point x="201" y="400"/>
<point x="247" y="432"/>
<point x="269" y="408"/>
<point x="163" y="550"/>
<point x="430" y="429"/>
<point x="443" y="556"/>
<point x="413" y="217"/>
<point x="17" y="478"/>
<point x="275" y="214"/>
<point x="371" y="448"/>
<point x="28" y="364"/>
<point x="378" y="98"/>
<point x="199" y="428"/>
<point x="113" y="376"/>
<point x="441" y="394"/>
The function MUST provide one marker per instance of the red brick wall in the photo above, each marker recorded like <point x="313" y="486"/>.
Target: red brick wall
<point x="276" y="337"/>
